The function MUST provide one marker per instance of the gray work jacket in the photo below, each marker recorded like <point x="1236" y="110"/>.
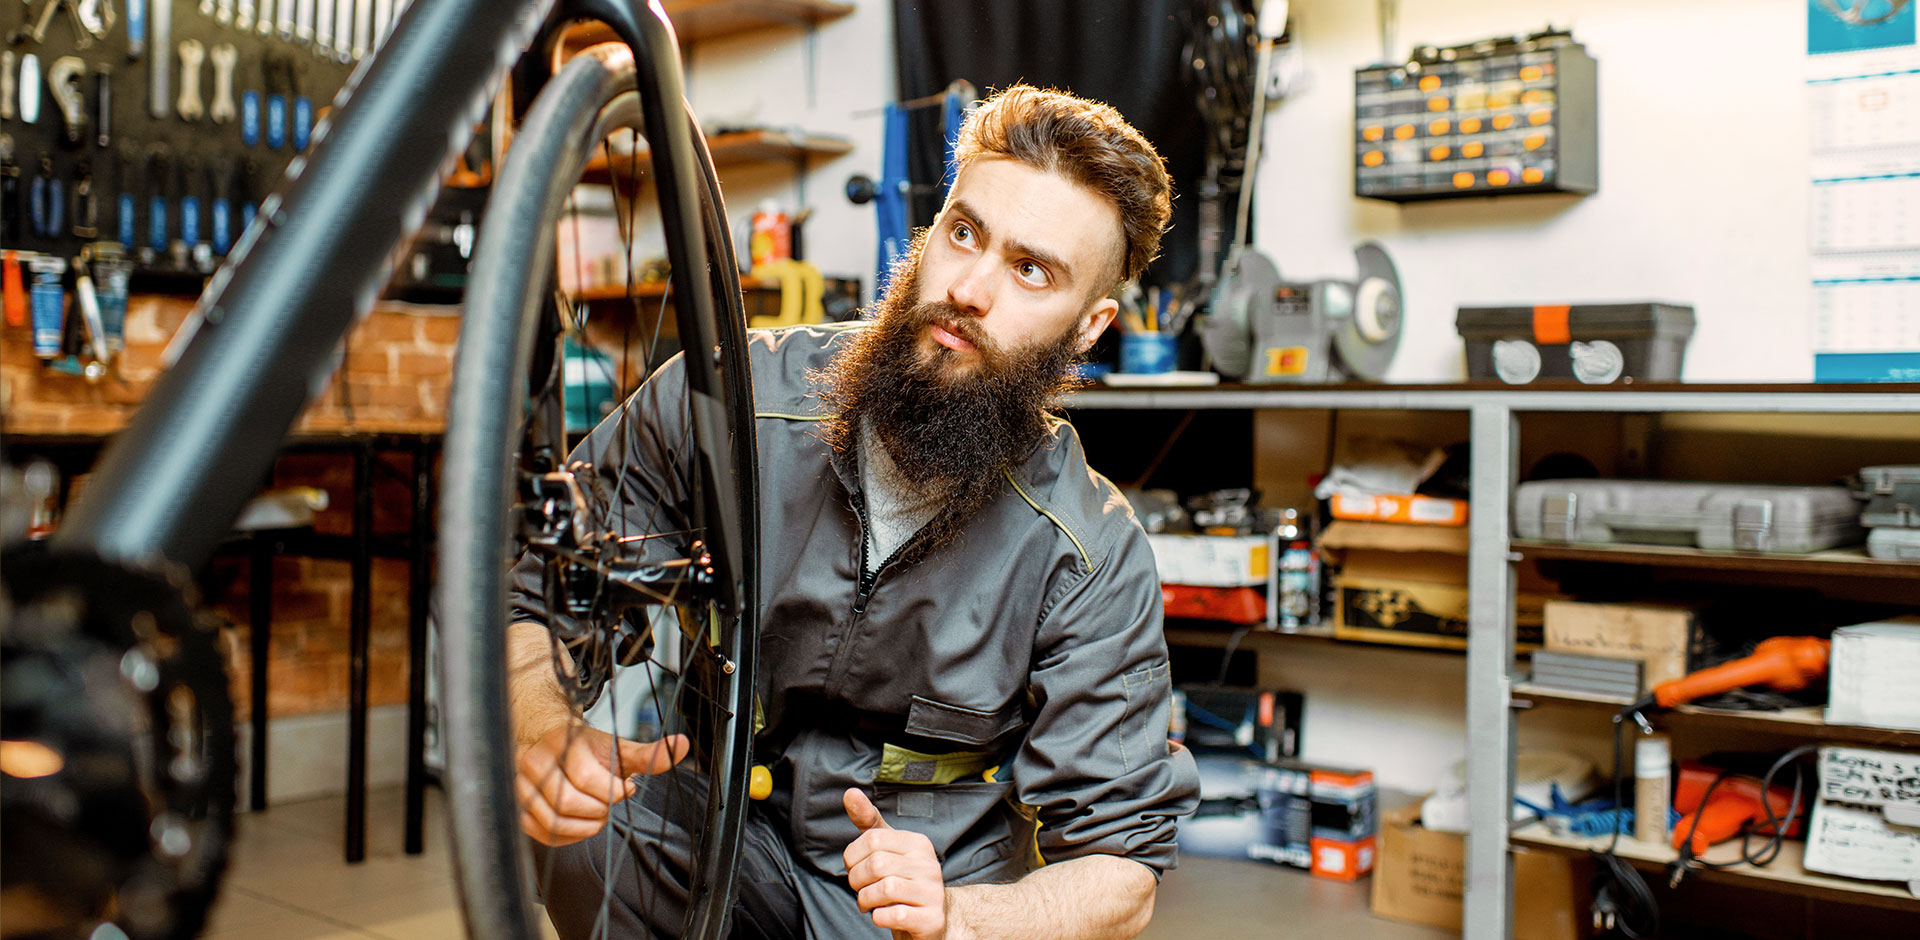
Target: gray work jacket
<point x="1007" y="696"/>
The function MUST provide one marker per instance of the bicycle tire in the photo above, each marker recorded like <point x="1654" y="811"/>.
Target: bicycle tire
<point x="512" y="266"/>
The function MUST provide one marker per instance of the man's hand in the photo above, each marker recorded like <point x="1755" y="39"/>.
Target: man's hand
<point x="896" y="875"/>
<point x="567" y="785"/>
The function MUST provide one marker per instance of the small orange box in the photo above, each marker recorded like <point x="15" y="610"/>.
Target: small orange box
<point x="1419" y="510"/>
<point x="1340" y="860"/>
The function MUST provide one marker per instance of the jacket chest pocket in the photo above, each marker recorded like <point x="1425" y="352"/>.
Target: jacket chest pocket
<point x="927" y="718"/>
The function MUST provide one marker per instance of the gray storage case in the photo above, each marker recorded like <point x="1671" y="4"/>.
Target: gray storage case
<point x="1892" y="494"/>
<point x="1891" y="544"/>
<point x="1713" y="516"/>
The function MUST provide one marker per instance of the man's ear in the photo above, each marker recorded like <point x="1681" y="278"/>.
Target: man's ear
<point x="1095" y="323"/>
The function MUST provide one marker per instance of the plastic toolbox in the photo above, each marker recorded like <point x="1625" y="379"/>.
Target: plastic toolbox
<point x="1713" y="516"/>
<point x="1597" y="344"/>
<point x="1892" y="494"/>
<point x="1891" y="544"/>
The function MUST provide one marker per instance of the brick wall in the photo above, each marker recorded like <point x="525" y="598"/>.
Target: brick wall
<point x="394" y="378"/>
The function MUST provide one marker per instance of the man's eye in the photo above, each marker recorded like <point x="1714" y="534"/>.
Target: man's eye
<point x="1031" y="273"/>
<point x="962" y="233"/>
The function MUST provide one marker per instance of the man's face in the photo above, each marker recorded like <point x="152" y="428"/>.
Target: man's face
<point x="1020" y="257"/>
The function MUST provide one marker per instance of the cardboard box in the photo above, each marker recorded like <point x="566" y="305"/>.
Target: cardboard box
<point x="1407" y="585"/>
<point x="1664" y="637"/>
<point x="1416" y="510"/>
<point x="1212" y="560"/>
<point x="1420" y="877"/>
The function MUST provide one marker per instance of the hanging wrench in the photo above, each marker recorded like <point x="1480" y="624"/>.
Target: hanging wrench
<point x="243" y="19"/>
<point x="263" y="18"/>
<point x="63" y="83"/>
<point x="136" y="29"/>
<point x="342" y="29"/>
<point x="82" y="38"/>
<point x="224" y="56"/>
<point x="323" y="30"/>
<point x="191" y="55"/>
<point x="362" y="27"/>
<point x="95" y="16"/>
<point x="223" y="12"/>
<point x="284" y="19"/>
<point x="6" y="85"/>
<point x="303" y="21"/>
<point x="160" y="64"/>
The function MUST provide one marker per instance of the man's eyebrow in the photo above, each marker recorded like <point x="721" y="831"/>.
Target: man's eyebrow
<point x="1029" y="250"/>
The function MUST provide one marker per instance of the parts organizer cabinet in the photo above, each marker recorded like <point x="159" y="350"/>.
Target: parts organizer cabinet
<point x="1490" y="694"/>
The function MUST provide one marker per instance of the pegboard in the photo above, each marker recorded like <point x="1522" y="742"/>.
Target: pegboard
<point x="155" y="179"/>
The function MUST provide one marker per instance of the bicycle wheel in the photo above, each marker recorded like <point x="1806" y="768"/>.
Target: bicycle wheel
<point x="602" y="553"/>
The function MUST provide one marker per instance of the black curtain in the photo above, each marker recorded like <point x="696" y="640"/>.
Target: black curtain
<point x="1127" y="53"/>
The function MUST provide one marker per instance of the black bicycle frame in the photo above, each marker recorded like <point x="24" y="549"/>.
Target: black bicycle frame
<point x="268" y="328"/>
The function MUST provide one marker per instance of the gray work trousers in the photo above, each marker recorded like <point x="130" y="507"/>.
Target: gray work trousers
<point x="777" y="897"/>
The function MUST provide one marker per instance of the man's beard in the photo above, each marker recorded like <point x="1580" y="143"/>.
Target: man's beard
<point x="952" y="431"/>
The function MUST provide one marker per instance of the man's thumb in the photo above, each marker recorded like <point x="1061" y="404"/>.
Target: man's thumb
<point x="861" y="810"/>
<point x="651" y="757"/>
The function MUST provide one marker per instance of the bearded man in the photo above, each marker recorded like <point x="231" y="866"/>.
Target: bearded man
<point x="965" y="684"/>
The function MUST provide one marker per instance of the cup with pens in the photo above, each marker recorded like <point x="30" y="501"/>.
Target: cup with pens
<point x="1149" y="341"/>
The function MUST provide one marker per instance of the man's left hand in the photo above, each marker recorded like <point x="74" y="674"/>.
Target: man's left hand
<point x="896" y="874"/>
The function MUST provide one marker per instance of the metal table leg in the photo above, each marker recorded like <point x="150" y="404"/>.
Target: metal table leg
<point x="260" y="616"/>
<point x="357" y="641"/>
<point x="419" y="558"/>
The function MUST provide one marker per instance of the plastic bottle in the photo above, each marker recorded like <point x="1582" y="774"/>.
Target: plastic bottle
<point x="1652" y="787"/>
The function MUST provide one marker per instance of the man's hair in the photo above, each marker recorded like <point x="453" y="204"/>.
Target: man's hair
<point x="1087" y="142"/>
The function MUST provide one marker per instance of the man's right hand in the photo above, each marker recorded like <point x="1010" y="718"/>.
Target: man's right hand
<point x="567" y="784"/>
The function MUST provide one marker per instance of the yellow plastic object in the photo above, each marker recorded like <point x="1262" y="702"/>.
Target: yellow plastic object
<point x="760" y="783"/>
<point x="801" y="288"/>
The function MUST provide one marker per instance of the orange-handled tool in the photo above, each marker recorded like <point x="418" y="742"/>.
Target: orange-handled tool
<point x="1783" y="663"/>
<point x="14" y="288"/>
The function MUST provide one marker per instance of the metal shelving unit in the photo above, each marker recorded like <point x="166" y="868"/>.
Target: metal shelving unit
<point x="1494" y="436"/>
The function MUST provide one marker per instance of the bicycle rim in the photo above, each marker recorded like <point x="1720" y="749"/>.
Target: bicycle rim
<point x="488" y="451"/>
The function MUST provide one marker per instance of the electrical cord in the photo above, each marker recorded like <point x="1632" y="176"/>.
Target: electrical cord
<point x="1621" y="899"/>
<point x="1776" y="825"/>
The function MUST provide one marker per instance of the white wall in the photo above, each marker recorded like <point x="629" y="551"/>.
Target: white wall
<point x="1703" y="176"/>
<point x="820" y="82"/>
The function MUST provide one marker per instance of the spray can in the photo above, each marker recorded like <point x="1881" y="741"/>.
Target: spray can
<point x="1299" y="572"/>
<point x="1652" y="789"/>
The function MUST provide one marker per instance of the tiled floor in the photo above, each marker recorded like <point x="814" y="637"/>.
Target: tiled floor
<point x="287" y="882"/>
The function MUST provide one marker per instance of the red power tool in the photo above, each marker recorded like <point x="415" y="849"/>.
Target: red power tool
<point x="1735" y="805"/>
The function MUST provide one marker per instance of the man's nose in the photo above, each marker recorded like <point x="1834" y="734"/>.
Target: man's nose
<point x="972" y="292"/>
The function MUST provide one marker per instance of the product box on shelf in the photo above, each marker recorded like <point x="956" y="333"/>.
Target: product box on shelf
<point x="1416" y="510"/>
<point x="1407" y="585"/>
<point x="1212" y="560"/>
<point x="1667" y="638"/>
<point x="1420" y="877"/>
<point x="1287" y="812"/>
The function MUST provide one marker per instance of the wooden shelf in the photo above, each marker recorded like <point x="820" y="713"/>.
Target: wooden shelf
<point x="698" y="20"/>
<point x="1786" y="875"/>
<point x="734" y="148"/>
<point x="653" y="290"/>
<point x="1843" y="562"/>
<point x="1809" y="722"/>
<point x="1201" y="636"/>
